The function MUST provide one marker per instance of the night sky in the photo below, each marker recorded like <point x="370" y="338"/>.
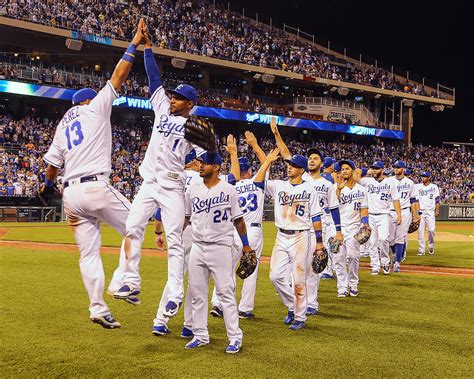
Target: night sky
<point x="426" y="38"/>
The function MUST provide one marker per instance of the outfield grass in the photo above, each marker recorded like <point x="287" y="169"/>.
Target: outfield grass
<point x="404" y="325"/>
<point x="448" y="254"/>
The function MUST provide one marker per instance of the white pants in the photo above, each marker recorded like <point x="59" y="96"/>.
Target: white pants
<point x="171" y="201"/>
<point x="216" y="260"/>
<point x="290" y="255"/>
<point x="348" y="278"/>
<point x="86" y="205"/>
<point x="398" y="233"/>
<point x="329" y="230"/>
<point x="378" y="242"/>
<point x="247" y="300"/>
<point x="428" y="221"/>
<point x="160" y="319"/>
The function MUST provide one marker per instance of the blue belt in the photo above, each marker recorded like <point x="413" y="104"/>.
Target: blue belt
<point x="256" y="224"/>
<point x="85" y="179"/>
<point x="291" y="232"/>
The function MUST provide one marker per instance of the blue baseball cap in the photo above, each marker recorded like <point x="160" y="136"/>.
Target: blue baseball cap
<point x="408" y="171"/>
<point x="83" y="95"/>
<point x="328" y="162"/>
<point x="186" y="91"/>
<point x="364" y="172"/>
<point x="244" y="164"/>
<point x="399" y="164"/>
<point x="298" y="160"/>
<point x="337" y="167"/>
<point x="377" y="164"/>
<point x="190" y="157"/>
<point x="346" y="161"/>
<point x="315" y="151"/>
<point x="426" y="174"/>
<point x="211" y="158"/>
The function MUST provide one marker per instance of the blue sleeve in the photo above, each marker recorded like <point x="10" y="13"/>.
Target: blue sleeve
<point x="231" y="179"/>
<point x="260" y="185"/>
<point x="413" y="200"/>
<point x="152" y="71"/>
<point x="336" y="216"/>
<point x="328" y="176"/>
<point x="437" y="199"/>
<point x="158" y="214"/>
<point x="316" y="219"/>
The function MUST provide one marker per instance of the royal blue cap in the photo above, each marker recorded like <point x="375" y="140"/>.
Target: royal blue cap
<point x="328" y="162"/>
<point x="426" y="174"/>
<point x="408" y="171"/>
<point x="244" y="164"/>
<point x="211" y="158"/>
<point x="337" y="167"/>
<point x="399" y="164"/>
<point x="364" y="172"/>
<point x="190" y="157"/>
<point x="346" y="161"/>
<point x="377" y="164"/>
<point x="186" y="91"/>
<point x="315" y="151"/>
<point x="298" y="160"/>
<point x="83" y="95"/>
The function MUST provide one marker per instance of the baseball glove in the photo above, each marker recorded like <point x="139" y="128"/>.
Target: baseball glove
<point x="46" y="195"/>
<point x="414" y="226"/>
<point x="200" y="132"/>
<point x="320" y="260"/>
<point x="248" y="264"/>
<point x="363" y="235"/>
<point x="334" y="245"/>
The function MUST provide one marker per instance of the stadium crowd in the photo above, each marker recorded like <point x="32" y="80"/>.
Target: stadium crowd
<point x="197" y="27"/>
<point x="24" y="142"/>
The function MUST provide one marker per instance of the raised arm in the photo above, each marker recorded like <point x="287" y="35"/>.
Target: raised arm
<point x="285" y="152"/>
<point x="234" y="159"/>
<point x="272" y="157"/>
<point x="252" y="141"/>
<point x="151" y="66"/>
<point x="124" y="66"/>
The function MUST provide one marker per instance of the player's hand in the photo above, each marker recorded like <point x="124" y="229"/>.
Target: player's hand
<point x="399" y="219"/>
<point x="357" y="174"/>
<point x="416" y="218"/>
<point x="274" y="155"/>
<point x="273" y="125"/>
<point x="231" y="145"/>
<point x="319" y="248"/>
<point x="339" y="237"/>
<point x="437" y="212"/>
<point x="246" y="249"/>
<point x="160" y="242"/>
<point x="341" y="182"/>
<point x="138" y="38"/>
<point x="250" y="138"/>
<point x="146" y="36"/>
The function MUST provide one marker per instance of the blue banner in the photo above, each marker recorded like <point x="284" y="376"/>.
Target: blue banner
<point x="91" y="38"/>
<point x="220" y="113"/>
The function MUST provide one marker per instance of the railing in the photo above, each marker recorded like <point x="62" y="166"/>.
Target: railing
<point x="27" y="214"/>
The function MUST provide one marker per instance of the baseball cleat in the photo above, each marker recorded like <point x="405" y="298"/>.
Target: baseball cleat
<point x="396" y="267"/>
<point x="374" y="272"/>
<point x="386" y="270"/>
<point x="246" y="315"/>
<point x="431" y="251"/>
<point x="364" y="255"/>
<point x="126" y="291"/>
<point x="421" y="253"/>
<point x="297" y="325"/>
<point x="132" y="300"/>
<point x="107" y="322"/>
<point x="289" y="318"/>
<point x="343" y="294"/>
<point x="216" y="312"/>
<point x="195" y="343"/>
<point x="187" y="332"/>
<point x="233" y="348"/>
<point x="354" y="292"/>
<point x="311" y="311"/>
<point x="171" y="309"/>
<point x="160" y="330"/>
<point x="327" y="276"/>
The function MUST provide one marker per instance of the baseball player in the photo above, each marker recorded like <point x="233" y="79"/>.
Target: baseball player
<point x="381" y="193"/>
<point x="83" y="144"/>
<point x="428" y="195"/>
<point x="363" y="253"/>
<point x="214" y="210"/>
<point x="354" y="213"/>
<point x="163" y="185"/>
<point x="296" y="210"/>
<point x="328" y="169"/>
<point x="192" y="167"/>
<point x="251" y="200"/>
<point x="409" y="206"/>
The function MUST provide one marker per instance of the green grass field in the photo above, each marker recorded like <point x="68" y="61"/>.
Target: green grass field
<point x="448" y="254"/>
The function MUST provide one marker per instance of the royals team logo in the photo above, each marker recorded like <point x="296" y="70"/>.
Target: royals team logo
<point x="206" y="205"/>
<point x="169" y="128"/>
<point x="285" y="199"/>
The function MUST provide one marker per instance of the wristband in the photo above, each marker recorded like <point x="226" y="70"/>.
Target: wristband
<point x="129" y="54"/>
<point x="338" y="228"/>
<point x="49" y="183"/>
<point x="158" y="233"/>
<point x="244" y="239"/>
<point x="319" y="236"/>
<point x="158" y="214"/>
<point x="365" y="220"/>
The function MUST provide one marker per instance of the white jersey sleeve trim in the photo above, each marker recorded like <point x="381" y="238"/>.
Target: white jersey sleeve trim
<point x="57" y="165"/>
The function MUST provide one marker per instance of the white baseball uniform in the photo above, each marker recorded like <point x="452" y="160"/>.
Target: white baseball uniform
<point x="295" y="206"/>
<point x="428" y="197"/>
<point x="327" y="201"/>
<point x="163" y="186"/>
<point x="380" y="196"/>
<point x="213" y="211"/>
<point x="83" y="143"/>
<point x="351" y="201"/>
<point x="192" y="177"/>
